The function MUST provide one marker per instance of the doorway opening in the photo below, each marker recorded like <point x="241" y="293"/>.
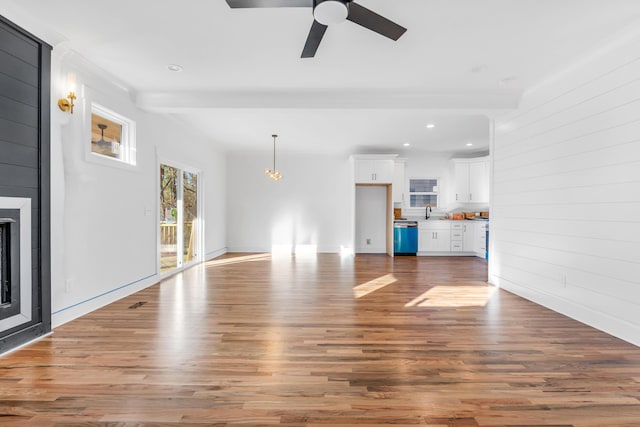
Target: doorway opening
<point x="180" y="224"/>
<point x="374" y="219"/>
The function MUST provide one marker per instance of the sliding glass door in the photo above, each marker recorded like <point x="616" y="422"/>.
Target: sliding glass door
<point x="179" y="218"/>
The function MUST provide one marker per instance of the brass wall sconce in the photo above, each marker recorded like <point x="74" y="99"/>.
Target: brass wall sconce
<point x="66" y="104"/>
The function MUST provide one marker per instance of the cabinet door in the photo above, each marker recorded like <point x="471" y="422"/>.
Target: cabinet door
<point x="479" y="182"/>
<point x="425" y="239"/>
<point x="374" y="171"/>
<point x="398" y="183"/>
<point x="469" y="236"/>
<point x="430" y="240"/>
<point x="434" y="237"/>
<point x="480" y="240"/>
<point x="383" y="171"/>
<point x="365" y="171"/>
<point x="442" y="241"/>
<point x="461" y="182"/>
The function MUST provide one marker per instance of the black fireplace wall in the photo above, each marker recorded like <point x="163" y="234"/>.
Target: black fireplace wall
<point x="25" y="63"/>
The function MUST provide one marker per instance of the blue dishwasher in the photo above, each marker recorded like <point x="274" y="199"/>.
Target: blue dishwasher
<point x="405" y="237"/>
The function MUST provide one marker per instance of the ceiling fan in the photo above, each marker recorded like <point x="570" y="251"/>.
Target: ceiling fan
<point x="328" y="12"/>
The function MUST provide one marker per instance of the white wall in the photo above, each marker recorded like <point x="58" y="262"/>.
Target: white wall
<point x="104" y="219"/>
<point x="565" y="229"/>
<point x="371" y="219"/>
<point x="311" y="205"/>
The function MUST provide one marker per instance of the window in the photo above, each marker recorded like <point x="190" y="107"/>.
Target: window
<point x="112" y="136"/>
<point x="423" y="192"/>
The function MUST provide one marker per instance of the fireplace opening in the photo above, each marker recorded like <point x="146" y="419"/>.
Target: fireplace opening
<point x="9" y="263"/>
<point x="5" y="261"/>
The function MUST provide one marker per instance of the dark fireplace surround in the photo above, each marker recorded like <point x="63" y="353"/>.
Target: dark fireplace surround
<point x="25" y="245"/>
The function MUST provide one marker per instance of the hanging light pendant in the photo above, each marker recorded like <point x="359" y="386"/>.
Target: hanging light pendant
<point x="274" y="174"/>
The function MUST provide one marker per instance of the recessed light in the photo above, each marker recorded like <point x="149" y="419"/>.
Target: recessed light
<point x="174" y="67"/>
<point x="430" y="126"/>
<point x="406" y="144"/>
<point x="469" y="144"/>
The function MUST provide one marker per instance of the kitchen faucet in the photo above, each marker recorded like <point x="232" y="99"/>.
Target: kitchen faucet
<point x="427" y="211"/>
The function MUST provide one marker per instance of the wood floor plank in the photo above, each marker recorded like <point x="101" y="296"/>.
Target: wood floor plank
<point x="256" y="340"/>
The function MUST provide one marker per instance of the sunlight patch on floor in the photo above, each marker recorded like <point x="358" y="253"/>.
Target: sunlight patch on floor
<point x="238" y="259"/>
<point x="373" y="285"/>
<point x="454" y="296"/>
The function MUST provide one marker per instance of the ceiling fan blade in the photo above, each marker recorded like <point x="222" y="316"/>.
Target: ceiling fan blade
<point x="313" y="39"/>
<point x="371" y="20"/>
<point x="269" y="3"/>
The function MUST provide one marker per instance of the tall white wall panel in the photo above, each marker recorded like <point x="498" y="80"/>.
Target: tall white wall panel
<point x="565" y="226"/>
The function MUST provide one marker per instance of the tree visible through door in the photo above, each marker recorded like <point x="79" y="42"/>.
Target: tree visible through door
<point x="178" y="217"/>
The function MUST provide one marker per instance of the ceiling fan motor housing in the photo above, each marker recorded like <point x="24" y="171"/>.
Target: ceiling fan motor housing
<point x="328" y="12"/>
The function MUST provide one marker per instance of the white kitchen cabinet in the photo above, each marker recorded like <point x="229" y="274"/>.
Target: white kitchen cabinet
<point x="479" y="181"/>
<point x="463" y="234"/>
<point x="434" y="236"/>
<point x="469" y="233"/>
<point x="398" y="182"/>
<point x="471" y="180"/>
<point x="457" y="237"/>
<point x="480" y="242"/>
<point x="374" y="171"/>
<point x="461" y="180"/>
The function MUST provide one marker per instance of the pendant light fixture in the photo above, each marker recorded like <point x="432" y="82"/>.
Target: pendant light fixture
<point x="274" y="174"/>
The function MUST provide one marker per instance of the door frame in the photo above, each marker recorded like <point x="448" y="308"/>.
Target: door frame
<point x="160" y="160"/>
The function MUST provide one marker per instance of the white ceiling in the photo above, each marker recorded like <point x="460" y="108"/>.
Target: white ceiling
<point x="243" y="77"/>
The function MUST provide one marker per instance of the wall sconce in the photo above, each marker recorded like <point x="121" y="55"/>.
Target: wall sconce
<point x="66" y="104"/>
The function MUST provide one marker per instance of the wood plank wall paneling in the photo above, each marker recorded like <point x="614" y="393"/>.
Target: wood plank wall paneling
<point x="24" y="159"/>
<point x="565" y="222"/>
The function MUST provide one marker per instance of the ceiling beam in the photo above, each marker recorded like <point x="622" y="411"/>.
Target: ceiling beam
<point x="480" y="101"/>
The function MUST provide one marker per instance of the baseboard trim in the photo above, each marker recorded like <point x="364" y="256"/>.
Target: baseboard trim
<point x="25" y="344"/>
<point x="604" y="322"/>
<point x="61" y="316"/>
<point x="215" y="254"/>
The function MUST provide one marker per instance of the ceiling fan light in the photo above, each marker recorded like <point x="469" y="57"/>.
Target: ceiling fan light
<point x="329" y="12"/>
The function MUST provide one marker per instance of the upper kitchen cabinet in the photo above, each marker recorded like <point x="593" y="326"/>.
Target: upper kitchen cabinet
<point x="374" y="169"/>
<point x="398" y="181"/>
<point x="471" y="180"/>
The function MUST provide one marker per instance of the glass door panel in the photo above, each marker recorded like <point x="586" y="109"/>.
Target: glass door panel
<point x="190" y="216"/>
<point x="169" y="177"/>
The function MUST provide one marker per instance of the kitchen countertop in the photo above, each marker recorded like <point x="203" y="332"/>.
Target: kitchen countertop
<point x="433" y="219"/>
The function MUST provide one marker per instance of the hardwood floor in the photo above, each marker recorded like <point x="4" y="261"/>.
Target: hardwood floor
<point x="324" y="341"/>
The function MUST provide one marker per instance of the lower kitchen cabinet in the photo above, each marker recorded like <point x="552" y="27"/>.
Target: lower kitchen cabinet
<point x="457" y="238"/>
<point x="434" y="236"/>
<point x="480" y="240"/>
<point x="463" y="236"/>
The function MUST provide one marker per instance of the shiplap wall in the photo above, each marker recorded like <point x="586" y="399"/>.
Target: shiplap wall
<point x="25" y="63"/>
<point x="565" y="226"/>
